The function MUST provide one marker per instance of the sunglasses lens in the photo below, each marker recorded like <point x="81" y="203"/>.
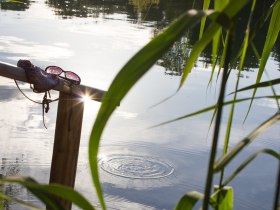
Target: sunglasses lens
<point x="54" y="70"/>
<point x="72" y="76"/>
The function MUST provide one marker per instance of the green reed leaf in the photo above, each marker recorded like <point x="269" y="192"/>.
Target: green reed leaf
<point x="197" y="49"/>
<point x="133" y="70"/>
<point x="15" y="1"/>
<point x="254" y="30"/>
<point x="232" y="8"/>
<point x="223" y="198"/>
<point x="206" y="4"/>
<point x="224" y="160"/>
<point x="231" y="112"/>
<point x="212" y="73"/>
<point x="249" y="160"/>
<point x="212" y="118"/>
<point x="272" y="34"/>
<point x="47" y="199"/>
<point x="274" y="92"/>
<point x="222" y="61"/>
<point x="213" y="107"/>
<point x="216" y="44"/>
<point x="188" y="201"/>
<point x="253" y="46"/>
<point x="4" y="197"/>
<point x="260" y="85"/>
<point x="47" y="192"/>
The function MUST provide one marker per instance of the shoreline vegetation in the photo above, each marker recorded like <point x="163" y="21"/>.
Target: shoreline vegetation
<point x="218" y="27"/>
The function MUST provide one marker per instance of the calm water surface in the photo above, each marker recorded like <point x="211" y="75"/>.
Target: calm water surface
<point x="140" y="168"/>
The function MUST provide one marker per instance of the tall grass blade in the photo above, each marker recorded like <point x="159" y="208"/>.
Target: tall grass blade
<point x="222" y="61"/>
<point x="260" y="85"/>
<point x="272" y="34"/>
<point x="206" y="4"/>
<point x="14" y="1"/>
<point x="197" y="49"/>
<point x="249" y="160"/>
<point x="188" y="201"/>
<point x="277" y="189"/>
<point x="50" y="191"/>
<point x="242" y="59"/>
<point x="136" y="67"/>
<point x="254" y="30"/>
<point x="210" y="174"/>
<point x="213" y="107"/>
<point x="4" y="198"/>
<point x="50" y="201"/>
<point x="223" y="161"/>
<point x="253" y="46"/>
<point x="212" y="73"/>
<point x="273" y="91"/>
<point x="224" y="198"/>
<point x="212" y="119"/>
<point x="226" y="15"/>
<point x="218" y="6"/>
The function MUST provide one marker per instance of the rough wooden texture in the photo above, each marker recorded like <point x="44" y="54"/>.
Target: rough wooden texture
<point x="66" y="142"/>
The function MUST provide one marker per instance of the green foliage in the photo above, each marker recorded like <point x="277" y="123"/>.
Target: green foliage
<point x="249" y="160"/>
<point x="4" y="198"/>
<point x="260" y="85"/>
<point x="272" y="34"/>
<point x="188" y="201"/>
<point x="206" y="4"/>
<point x="221" y="19"/>
<point x="47" y="192"/>
<point x="136" y="67"/>
<point x="224" y="198"/>
<point x="224" y="160"/>
<point x="221" y="199"/>
<point x="222" y="23"/>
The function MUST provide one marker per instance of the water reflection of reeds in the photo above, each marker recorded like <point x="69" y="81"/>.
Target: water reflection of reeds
<point x="141" y="5"/>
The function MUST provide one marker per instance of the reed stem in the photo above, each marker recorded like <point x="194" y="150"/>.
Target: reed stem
<point x="210" y="172"/>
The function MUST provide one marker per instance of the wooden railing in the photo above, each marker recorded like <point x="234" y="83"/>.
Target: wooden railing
<point x="14" y="72"/>
<point x="68" y="126"/>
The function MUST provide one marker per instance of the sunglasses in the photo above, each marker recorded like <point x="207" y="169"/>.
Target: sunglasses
<point x="68" y="75"/>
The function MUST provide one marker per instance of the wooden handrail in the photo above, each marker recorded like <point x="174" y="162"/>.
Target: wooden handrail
<point x="17" y="73"/>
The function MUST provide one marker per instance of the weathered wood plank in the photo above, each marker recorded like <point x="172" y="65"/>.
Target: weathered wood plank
<point x="66" y="142"/>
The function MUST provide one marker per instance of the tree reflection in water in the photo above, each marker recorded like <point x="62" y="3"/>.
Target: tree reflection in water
<point x="15" y="5"/>
<point x="175" y="59"/>
<point x="156" y="14"/>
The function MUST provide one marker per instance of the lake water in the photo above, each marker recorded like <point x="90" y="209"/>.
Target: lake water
<point x="140" y="168"/>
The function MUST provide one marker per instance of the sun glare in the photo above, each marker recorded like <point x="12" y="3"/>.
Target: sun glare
<point x="86" y="98"/>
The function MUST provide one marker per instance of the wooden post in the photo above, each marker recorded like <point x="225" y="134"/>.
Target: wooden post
<point x="68" y="125"/>
<point x="66" y="142"/>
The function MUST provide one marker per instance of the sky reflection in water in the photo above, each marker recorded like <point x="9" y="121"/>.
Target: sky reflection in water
<point x="96" y="48"/>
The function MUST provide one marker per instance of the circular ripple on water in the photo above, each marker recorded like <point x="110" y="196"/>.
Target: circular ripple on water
<point x="137" y="167"/>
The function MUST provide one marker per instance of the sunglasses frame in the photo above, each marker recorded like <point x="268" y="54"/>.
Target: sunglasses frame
<point x="70" y="80"/>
